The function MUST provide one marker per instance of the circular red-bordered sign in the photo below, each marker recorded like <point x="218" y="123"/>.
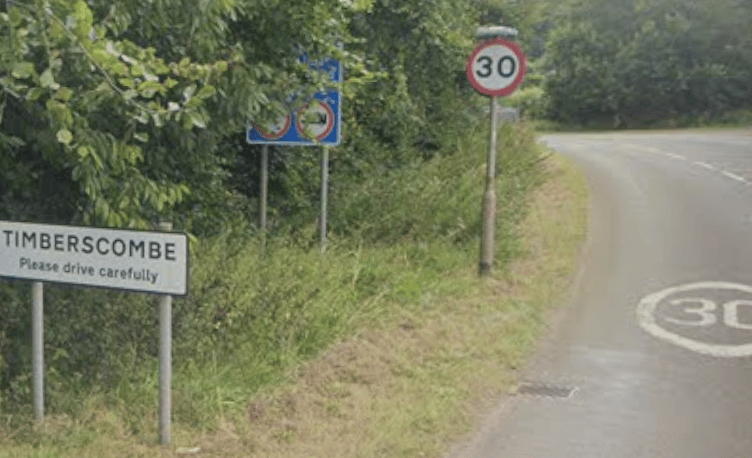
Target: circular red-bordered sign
<point x="277" y="131"/>
<point x="319" y="120"/>
<point x="496" y="67"/>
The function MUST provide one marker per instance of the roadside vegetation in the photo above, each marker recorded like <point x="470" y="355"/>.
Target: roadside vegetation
<point x="664" y="63"/>
<point x="283" y="349"/>
<point x="126" y="114"/>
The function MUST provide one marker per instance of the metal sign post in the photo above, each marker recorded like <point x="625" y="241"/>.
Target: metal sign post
<point x="324" y="194"/>
<point x="165" y="361"/>
<point x="140" y="261"/>
<point x="316" y="123"/>
<point x="264" y="187"/>
<point x="489" y="198"/>
<point x="37" y="345"/>
<point x="495" y="68"/>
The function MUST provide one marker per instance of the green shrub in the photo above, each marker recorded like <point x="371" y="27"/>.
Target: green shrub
<point x="533" y="102"/>
<point x="257" y="308"/>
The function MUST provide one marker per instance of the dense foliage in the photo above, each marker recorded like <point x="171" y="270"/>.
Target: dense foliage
<point x="638" y="62"/>
<point x="121" y="114"/>
<point x="253" y="313"/>
<point x="118" y="114"/>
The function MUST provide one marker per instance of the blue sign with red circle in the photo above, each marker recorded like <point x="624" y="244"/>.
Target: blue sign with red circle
<point x="317" y="123"/>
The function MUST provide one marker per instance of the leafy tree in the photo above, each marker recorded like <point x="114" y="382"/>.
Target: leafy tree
<point x="88" y="116"/>
<point x="640" y="61"/>
<point x="117" y="110"/>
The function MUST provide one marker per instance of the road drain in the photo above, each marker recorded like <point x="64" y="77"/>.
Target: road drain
<point x="544" y="390"/>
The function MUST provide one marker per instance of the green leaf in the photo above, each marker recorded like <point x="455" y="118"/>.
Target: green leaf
<point x="158" y="119"/>
<point x="64" y="136"/>
<point x="60" y="112"/>
<point x="119" y="68"/>
<point x="151" y="87"/>
<point x="159" y="67"/>
<point x="141" y="136"/>
<point x="220" y="66"/>
<point x="15" y="16"/>
<point x="206" y="91"/>
<point x="47" y="80"/>
<point x="197" y="119"/>
<point x="195" y="102"/>
<point x="63" y="94"/>
<point x="22" y="70"/>
<point x="34" y="93"/>
<point x="186" y="119"/>
<point x="84" y="19"/>
<point x="189" y="91"/>
<point x="142" y="117"/>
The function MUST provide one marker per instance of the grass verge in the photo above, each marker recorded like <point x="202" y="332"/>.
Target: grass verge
<point x="414" y="385"/>
<point x="421" y="357"/>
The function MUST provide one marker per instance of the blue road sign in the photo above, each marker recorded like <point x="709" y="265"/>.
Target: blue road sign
<point x="321" y="118"/>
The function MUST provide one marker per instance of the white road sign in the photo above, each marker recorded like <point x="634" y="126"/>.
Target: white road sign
<point x="496" y="67"/>
<point x="712" y="318"/>
<point x="155" y="262"/>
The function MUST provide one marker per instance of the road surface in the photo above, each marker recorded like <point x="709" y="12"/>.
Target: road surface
<point x="653" y="357"/>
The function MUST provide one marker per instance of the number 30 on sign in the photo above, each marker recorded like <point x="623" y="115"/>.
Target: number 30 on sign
<point x="496" y="67"/>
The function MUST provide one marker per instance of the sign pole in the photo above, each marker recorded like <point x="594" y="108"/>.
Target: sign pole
<point x="324" y="194"/>
<point x="264" y="186"/>
<point x="165" y="361"/>
<point x="37" y="343"/>
<point x="495" y="68"/>
<point x="489" y="199"/>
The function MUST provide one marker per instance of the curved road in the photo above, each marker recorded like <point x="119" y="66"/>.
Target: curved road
<point x="653" y="357"/>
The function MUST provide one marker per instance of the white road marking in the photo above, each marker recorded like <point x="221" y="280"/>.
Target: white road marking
<point x="704" y="165"/>
<point x="733" y="176"/>
<point x="679" y="157"/>
<point x="646" y="318"/>
<point x="656" y="151"/>
<point x="675" y="156"/>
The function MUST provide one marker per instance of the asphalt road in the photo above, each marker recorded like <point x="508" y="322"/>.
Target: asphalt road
<point x="653" y="356"/>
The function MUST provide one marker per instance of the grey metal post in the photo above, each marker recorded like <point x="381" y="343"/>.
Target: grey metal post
<point x="489" y="198"/>
<point x="324" y="194"/>
<point x="264" y="186"/>
<point x="488" y="225"/>
<point x="165" y="361"/>
<point x="37" y="344"/>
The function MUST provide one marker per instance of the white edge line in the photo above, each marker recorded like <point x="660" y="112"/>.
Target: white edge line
<point x="675" y="156"/>
<point x="704" y="165"/>
<point x="733" y="176"/>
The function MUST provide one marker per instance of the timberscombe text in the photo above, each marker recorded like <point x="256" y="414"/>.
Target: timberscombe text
<point x="101" y="245"/>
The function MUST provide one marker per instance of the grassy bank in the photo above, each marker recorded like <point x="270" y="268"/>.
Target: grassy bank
<point x="385" y="346"/>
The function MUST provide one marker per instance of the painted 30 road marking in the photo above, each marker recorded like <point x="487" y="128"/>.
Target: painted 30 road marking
<point x="699" y="312"/>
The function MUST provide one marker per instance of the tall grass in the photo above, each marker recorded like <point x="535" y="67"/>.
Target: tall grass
<point x="257" y="309"/>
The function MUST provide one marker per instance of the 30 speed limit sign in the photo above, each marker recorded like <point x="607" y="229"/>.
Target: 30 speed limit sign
<point x="496" y="67"/>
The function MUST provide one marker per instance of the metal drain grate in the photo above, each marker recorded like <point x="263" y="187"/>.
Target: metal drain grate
<point x="545" y="390"/>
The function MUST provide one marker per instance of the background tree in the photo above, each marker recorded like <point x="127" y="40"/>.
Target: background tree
<point x="641" y="61"/>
